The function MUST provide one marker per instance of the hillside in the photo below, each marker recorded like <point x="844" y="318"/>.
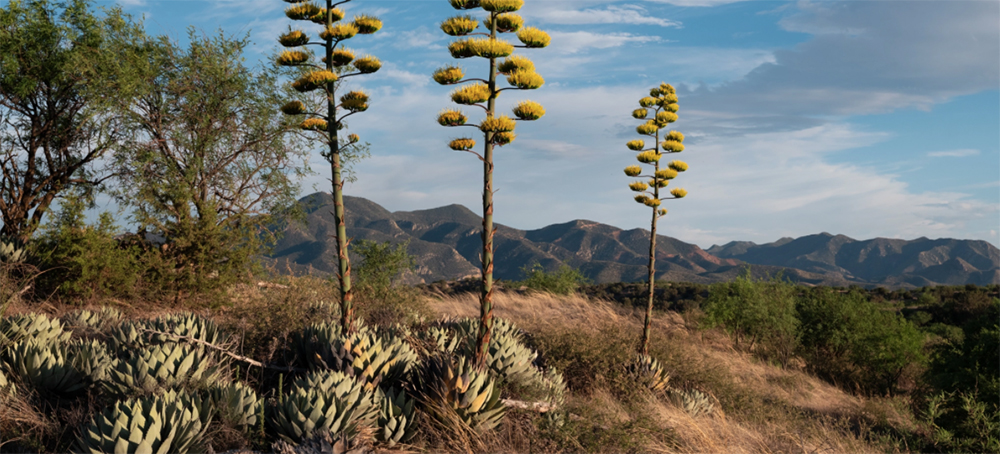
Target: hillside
<point x="446" y="244"/>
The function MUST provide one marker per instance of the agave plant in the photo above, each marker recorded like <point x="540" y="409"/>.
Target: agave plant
<point x="186" y="325"/>
<point x="649" y="373"/>
<point x="508" y="358"/>
<point x="6" y="386"/>
<point x="163" y="366"/>
<point x="451" y="384"/>
<point x="372" y="358"/>
<point x="396" y="418"/>
<point x="172" y="422"/>
<point x="46" y="366"/>
<point x="11" y="251"/>
<point x="443" y="339"/>
<point x="37" y="327"/>
<point x="92" y="320"/>
<point x="236" y="405"/>
<point x="695" y="402"/>
<point x="323" y="401"/>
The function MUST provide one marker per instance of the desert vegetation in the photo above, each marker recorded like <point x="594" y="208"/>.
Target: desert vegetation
<point x="178" y="337"/>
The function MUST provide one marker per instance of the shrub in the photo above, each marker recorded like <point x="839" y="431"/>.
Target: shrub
<point x="563" y="281"/>
<point x="849" y="340"/>
<point x="760" y="315"/>
<point x="381" y="301"/>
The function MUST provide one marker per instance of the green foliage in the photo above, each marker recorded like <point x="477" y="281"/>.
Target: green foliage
<point x="850" y="340"/>
<point x="85" y="262"/>
<point x="759" y="314"/>
<point x="61" y="67"/>
<point x="209" y="163"/>
<point x="563" y="281"/>
<point x="323" y="401"/>
<point x="381" y="301"/>
<point x="167" y="366"/>
<point x="452" y="388"/>
<point x="396" y="423"/>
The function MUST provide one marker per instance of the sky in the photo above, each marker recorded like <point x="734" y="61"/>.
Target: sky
<point x="863" y="118"/>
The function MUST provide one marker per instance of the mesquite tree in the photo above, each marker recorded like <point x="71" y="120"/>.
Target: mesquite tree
<point x="497" y="130"/>
<point x="662" y="101"/>
<point x="339" y="63"/>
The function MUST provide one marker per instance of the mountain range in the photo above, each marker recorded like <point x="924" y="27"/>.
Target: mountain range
<point x="446" y="244"/>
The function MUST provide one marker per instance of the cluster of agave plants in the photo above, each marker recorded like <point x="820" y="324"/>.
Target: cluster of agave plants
<point x="166" y="380"/>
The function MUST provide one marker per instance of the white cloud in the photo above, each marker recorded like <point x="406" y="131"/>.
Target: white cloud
<point x="558" y="13"/>
<point x="961" y="153"/>
<point x="574" y="42"/>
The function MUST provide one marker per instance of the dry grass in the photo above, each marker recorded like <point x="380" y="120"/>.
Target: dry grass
<point x="765" y="409"/>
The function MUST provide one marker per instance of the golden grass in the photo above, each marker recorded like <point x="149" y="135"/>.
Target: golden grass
<point x="816" y="419"/>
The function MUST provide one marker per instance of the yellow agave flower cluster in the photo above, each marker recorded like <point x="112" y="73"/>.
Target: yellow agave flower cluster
<point x="662" y="102"/>
<point x="520" y="71"/>
<point x="332" y="35"/>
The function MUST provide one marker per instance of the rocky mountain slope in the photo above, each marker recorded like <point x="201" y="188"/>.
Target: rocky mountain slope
<point x="446" y="243"/>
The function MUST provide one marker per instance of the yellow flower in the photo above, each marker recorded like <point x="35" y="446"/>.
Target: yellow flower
<point x="448" y="75"/>
<point x="314" y="124"/>
<point x="471" y="94"/>
<point x="320" y="17"/>
<point x="502" y="123"/>
<point x="292" y="58"/>
<point x="658" y="183"/>
<point x="671" y="107"/>
<point x="641" y="198"/>
<point x="503" y="138"/>
<point x="647" y="102"/>
<point x="667" y="89"/>
<point x="655" y="93"/>
<point x="366" y="24"/>
<point x="680" y="193"/>
<point x="652" y="203"/>
<point x="636" y="145"/>
<point x="633" y="171"/>
<point x="666" y="174"/>
<point x="294" y="108"/>
<point x="367" y="64"/>
<point x="672" y="146"/>
<point x="515" y="63"/>
<point x="451" y="117"/>
<point x="490" y="48"/>
<point x="342" y="56"/>
<point x="662" y="212"/>
<point x="506" y="23"/>
<point x="529" y="110"/>
<point x="668" y="99"/>
<point x="533" y="37"/>
<point x="525" y="80"/>
<point x="355" y="101"/>
<point x="501" y="6"/>
<point x="679" y="166"/>
<point x="639" y="114"/>
<point x="293" y="38"/>
<point x="339" y="32"/>
<point x="459" y="25"/>
<point x="674" y="135"/>
<point x="649" y="128"/>
<point x="648" y="157"/>
<point x="302" y="11"/>
<point x="353" y="138"/>
<point x="464" y="4"/>
<point x="462" y="144"/>
<point x="665" y="118"/>
<point x="461" y="49"/>
<point x="638" y="186"/>
<point x="314" y="80"/>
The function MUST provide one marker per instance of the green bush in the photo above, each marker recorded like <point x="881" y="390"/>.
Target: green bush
<point x="760" y="315"/>
<point x="849" y="340"/>
<point x="380" y="300"/>
<point x="563" y="281"/>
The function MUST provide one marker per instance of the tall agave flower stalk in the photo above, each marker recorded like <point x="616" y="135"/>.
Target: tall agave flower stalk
<point x="338" y="63"/>
<point x="497" y="131"/>
<point x="662" y="103"/>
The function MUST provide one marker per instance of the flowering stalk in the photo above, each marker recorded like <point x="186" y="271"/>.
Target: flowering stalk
<point x="663" y="102"/>
<point x="497" y="130"/>
<point x="339" y="63"/>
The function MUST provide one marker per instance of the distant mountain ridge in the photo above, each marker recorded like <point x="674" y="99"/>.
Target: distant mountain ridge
<point x="446" y="244"/>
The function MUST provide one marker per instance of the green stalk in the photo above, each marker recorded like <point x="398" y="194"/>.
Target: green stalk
<point x="644" y="348"/>
<point x="344" y="275"/>
<point x="486" y="300"/>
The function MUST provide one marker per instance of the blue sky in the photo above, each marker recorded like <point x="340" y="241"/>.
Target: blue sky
<point x="864" y="118"/>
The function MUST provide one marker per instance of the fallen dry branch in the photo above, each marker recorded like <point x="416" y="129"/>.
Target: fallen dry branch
<point x="244" y="359"/>
<point x="540" y="407"/>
